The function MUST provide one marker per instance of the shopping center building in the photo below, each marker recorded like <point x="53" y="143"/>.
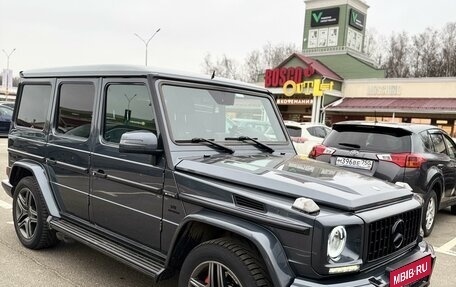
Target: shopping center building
<point x="333" y="80"/>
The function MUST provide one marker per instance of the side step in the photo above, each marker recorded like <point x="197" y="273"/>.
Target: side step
<point x="152" y="266"/>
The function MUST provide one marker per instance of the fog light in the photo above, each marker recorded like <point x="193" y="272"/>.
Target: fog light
<point x="345" y="269"/>
<point x="336" y="242"/>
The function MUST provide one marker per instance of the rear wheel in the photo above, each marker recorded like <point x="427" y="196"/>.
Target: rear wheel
<point x="429" y="211"/>
<point x="223" y="262"/>
<point x="30" y="214"/>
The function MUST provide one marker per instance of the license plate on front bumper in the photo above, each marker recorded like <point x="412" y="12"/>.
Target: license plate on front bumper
<point x="354" y="162"/>
<point x="411" y="273"/>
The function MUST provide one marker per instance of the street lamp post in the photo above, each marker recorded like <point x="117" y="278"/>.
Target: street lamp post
<point x="7" y="69"/>
<point x="146" y="43"/>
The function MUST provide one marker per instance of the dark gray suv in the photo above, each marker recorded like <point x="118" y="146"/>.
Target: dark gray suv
<point x="151" y="168"/>
<point x="422" y="156"/>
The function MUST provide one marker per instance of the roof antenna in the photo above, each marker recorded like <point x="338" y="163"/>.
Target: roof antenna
<point x="213" y="75"/>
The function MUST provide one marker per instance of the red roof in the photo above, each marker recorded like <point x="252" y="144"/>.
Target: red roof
<point x="404" y="104"/>
<point x="319" y="67"/>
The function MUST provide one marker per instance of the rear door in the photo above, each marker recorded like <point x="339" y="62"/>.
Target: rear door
<point x="126" y="195"/>
<point x="445" y="160"/>
<point x="68" y="151"/>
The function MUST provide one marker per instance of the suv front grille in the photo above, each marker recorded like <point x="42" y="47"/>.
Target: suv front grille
<point x="391" y="234"/>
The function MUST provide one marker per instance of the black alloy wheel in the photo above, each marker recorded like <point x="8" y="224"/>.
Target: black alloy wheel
<point x="223" y="263"/>
<point x="30" y="214"/>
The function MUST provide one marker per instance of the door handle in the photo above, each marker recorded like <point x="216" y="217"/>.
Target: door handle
<point x="50" y="161"/>
<point x="440" y="165"/>
<point x="99" y="173"/>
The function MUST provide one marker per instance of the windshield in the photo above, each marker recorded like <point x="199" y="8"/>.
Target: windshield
<point x="217" y="115"/>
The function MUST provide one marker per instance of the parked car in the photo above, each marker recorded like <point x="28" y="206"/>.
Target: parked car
<point x="5" y="119"/>
<point x="160" y="183"/>
<point x="422" y="156"/>
<point x="306" y="135"/>
<point x="9" y="104"/>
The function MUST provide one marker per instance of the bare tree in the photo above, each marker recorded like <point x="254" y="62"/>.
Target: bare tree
<point x="425" y="56"/>
<point x="269" y="57"/>
<point x="375" y="46"/>
<point x="448" y="36"/>
<point x="222" y="67"/>
<point x="397" y="64"/>
<point x="254" y="64"/>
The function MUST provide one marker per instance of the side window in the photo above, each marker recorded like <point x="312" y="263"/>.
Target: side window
<point x="294" y="131"/>
<point x="439" y="144"/>
<point x="33" y="106"/>
<point x="128" y="107"/>
<point x="426" y="139"/>
<point x="450" y="147"/>
<point x="74" y="114"/>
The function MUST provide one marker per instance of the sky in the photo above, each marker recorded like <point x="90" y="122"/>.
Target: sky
<point x="50" y="33"/>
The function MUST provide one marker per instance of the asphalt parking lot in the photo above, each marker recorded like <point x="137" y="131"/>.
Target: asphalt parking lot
<point x="73" y="264"/>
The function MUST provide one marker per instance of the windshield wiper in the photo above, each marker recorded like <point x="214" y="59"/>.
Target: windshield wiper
<point x="350" y="145"/>
<point x="209" y="141"/>
<point x="257" y="143"/>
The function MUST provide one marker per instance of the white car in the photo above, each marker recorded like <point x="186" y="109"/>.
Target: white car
<point x="306" y="135"/>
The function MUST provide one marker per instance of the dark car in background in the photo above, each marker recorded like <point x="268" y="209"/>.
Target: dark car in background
<point x="6" y="113"/>
<point x="422" y="156"/>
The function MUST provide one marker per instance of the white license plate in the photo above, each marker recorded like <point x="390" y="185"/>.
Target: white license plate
<point x="354" y="162"/>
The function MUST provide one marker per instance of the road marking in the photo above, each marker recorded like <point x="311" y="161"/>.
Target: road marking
<point x="447" y="248"/>
<point x="5" y="205"/>
<point x="10" y="222"/>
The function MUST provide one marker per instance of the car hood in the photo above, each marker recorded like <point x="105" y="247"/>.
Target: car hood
<point x="295" y="176"/>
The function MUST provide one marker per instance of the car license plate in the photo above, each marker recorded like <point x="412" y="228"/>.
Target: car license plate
<point x="411" y="273"/>
<point x="354" y="162"/>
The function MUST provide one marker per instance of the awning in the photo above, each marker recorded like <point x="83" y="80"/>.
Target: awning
<point x="408" y="105"/>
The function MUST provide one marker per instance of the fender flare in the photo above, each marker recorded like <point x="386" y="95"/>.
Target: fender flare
<point x="265" y="241"/>
<point x="39" y="172"/>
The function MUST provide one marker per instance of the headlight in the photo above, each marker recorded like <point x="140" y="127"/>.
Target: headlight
<point x="336" y="242"/>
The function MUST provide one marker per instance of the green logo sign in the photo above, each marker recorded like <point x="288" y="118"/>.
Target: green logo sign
<point x="354" y="16"/>
<point x="325" y="17"/>
<point x="317" y="17"/>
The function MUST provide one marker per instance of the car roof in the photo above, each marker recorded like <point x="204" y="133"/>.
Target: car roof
<point x="130" y="71"/>
<point x="414" y="128"/>
<point x="303" y="124"/>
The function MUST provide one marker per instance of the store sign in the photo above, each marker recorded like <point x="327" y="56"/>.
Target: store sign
<point x="384" y="90"/>
<point x="357" y="19"/>
<point x="315" y="88"/>
<point x="274" y="78"/>
<point x="295" y="101"/>
<point x="324" y="17"/>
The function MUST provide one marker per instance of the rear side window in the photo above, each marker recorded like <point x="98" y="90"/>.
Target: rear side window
<point x="369" y="138"/>
<point x="75" y="109"/>
<point x="319" y="132"/>
<point x="294" y="131"/>
<point x="33" y="106"/>
<point x="439" y="144"/>
<point x="426" y="139"/>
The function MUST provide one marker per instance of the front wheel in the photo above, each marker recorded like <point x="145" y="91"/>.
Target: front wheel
<point x="223" y="262"/>
<point x="429" y="210"/>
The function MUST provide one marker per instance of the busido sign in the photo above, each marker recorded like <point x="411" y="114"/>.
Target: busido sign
<point x="356" y="19"/>
<point x="324" y="17"/>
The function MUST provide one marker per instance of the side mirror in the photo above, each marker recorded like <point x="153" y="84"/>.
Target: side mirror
<point x="143" y="142"/>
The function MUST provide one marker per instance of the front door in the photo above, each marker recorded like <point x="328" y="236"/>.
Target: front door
<point x="126" y="195"/>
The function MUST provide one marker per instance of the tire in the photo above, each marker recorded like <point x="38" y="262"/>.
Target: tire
<point x="30" y="214"/>
<point x="239" y="265"/>
<point x="429" y="212"/>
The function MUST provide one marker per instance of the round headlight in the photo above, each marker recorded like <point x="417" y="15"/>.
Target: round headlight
<point x="336" y="242"/>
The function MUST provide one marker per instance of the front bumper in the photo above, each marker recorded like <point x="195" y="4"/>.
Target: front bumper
<point x="378" y="277"/>
<point x="7" y="187"/>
